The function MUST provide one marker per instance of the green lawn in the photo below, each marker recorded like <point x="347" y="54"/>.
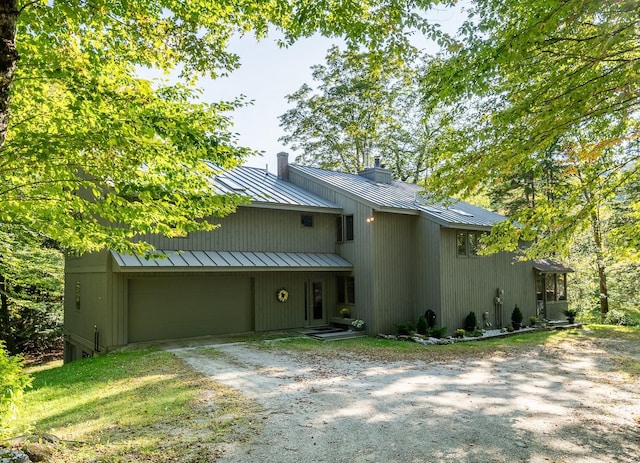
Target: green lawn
<point x="143" y="405"/>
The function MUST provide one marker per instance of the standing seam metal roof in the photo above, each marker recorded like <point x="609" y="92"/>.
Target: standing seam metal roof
<point x="403" y="196"/>
<point x="231" y="261"/>
<point x="266" y="188"/>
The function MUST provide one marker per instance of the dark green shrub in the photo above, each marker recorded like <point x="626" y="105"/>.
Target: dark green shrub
<point x="406" y="328"/>
<point x="13" y="382"/>
<point x="516" y="315"/>
<point x="421" y="326"/>
<point x="437" y="331"/>
<point x="470" y="321"/>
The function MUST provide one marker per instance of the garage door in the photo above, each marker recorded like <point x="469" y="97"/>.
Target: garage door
<point x="170" y="308"/>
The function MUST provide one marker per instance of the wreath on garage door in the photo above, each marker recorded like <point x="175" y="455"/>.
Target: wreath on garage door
<point x="282" y="295"/>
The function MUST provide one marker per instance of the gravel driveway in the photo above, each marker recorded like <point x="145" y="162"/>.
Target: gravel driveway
<point x="543" y="406"/>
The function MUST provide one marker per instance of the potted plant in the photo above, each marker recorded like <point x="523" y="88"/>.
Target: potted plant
<point x="570" y="314"/>
<point x="345" y="312"/>
<point x="358" y="325"/>
<point x="516" y="318"/>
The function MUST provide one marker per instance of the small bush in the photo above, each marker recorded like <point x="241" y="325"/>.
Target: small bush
<point x="516" y="315"/>
<point x="13" y="382"/>
<point x="474" y="334"/>
<point x="406" y="328"/>
<point x="618" y="317"/>
<point x="470" y="322"/>
<point x="533" y="321"/>
<point x="421" y="326"/>
<point x="437" y="332"/>
<point x="459" y="333"/>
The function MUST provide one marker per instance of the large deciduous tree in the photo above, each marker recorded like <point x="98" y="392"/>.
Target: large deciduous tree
<point x="551" y="76"/>
<point x="92" y="155"/>
<point x="365" y="105"/>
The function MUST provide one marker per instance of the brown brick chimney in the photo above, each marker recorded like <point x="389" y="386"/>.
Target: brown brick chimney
<point x="283" y="165"/>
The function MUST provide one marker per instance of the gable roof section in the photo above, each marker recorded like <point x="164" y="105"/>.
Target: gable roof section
<point x="226" y="261"/>
<point x="267" y="190"/>
<point x="403" y="198"/>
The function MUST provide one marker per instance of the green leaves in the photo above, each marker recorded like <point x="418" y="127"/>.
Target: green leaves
<point x="365" y="105"/>
<point x="95" y="156"/>
<point x="542" y="79"/>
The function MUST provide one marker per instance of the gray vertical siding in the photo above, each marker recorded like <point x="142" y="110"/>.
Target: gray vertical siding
<point x="383" y="258"/>
<point x="470" y="283"/>
<point x="95" y="299"/>
<point x="428" y="275"/>
<point x="258" y="229"/>
<point x="395" y="270"/>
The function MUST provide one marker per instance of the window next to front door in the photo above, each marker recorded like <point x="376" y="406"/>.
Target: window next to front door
<point x="346" y="290"/>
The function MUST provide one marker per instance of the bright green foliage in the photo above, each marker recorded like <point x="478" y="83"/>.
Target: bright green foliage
<point x="366" y="105"/>
<point x="95" y="156"/>
<point x="541" y="81"/>
<point x="31" y="270"/>
<point x="13" y="382"/>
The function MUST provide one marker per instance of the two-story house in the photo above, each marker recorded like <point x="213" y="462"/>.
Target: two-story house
<point x="310" y="242"/>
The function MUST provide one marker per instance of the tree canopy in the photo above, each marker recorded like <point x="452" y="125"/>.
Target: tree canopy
<point x="365" y="105"/>
<point x="537" y="79"/>
<point x="92" y="155"/>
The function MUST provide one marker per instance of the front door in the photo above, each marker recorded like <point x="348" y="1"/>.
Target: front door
<point x="314" y="306"/>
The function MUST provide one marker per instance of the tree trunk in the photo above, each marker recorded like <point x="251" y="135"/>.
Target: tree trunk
<point x="8" y="59"/>
<point x="5" y="333"/>
<point x="602" y="274"/>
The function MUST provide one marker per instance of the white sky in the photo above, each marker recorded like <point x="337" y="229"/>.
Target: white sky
<point x="269" y="73"/>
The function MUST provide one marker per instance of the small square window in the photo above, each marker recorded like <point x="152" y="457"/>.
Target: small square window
<point x="306" y="221"/>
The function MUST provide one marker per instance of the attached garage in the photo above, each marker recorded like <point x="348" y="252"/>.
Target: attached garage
<point x="183" y="307"/>
<point x="200" y="293"/>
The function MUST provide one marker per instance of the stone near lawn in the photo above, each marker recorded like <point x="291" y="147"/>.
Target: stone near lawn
<point x="13" y="456"/>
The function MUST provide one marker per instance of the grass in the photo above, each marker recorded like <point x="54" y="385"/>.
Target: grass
<point x="140" y="405"/>
<point x="391" y="350"/>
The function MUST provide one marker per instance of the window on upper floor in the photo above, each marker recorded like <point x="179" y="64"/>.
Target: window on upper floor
<point x="344" y="228"/>
<point x="467" y="243"/>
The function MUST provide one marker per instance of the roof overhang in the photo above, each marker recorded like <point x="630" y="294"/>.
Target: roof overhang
<point x="550" y="266"/>
<point x="231" y="261"/>
<point x="293" y="207"/>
